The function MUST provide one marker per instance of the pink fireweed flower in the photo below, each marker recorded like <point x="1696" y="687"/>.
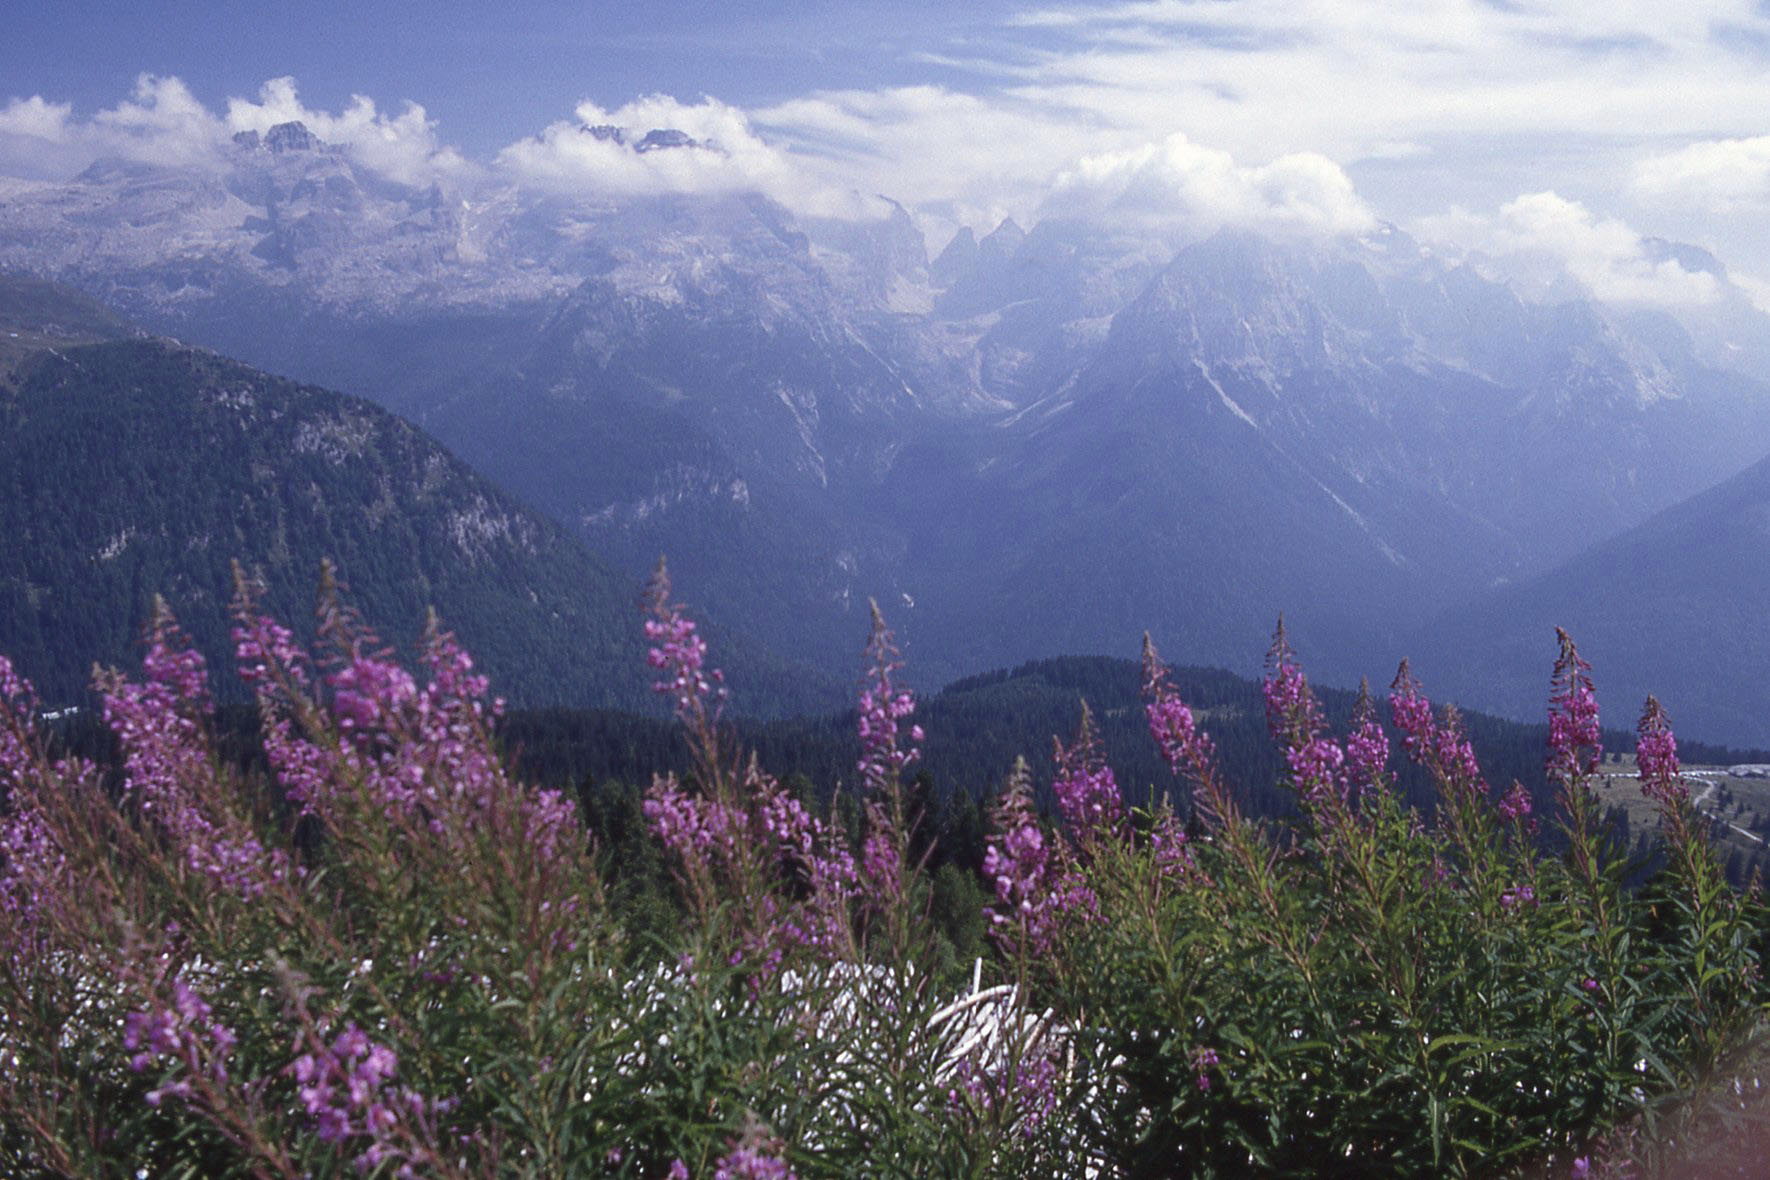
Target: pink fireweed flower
<point x="1367" y="746"/>
<point x="1293" y="716"/>
<point x="166" y="759"/>
<point x="984" y="1082"/>
<point x="1087" y="795"/>
<point x="768" y="832"/>
<point x="1515" y="807"/>
<point x="1412" y="714"/>
<point x="1515" y="803"/>
<point x="1656" y="756"/>
<point x="1037" y="888"/>
<point x="31" y="862"/>
<point x="1316" y="767"/>
<point x="1188" y="750"/>
<point x="18" y="738"/>
<point x="756" y="1155"/>
<point x="1204" y="1060"/>
<point x="370" y="693"/>
<point x="344" y="1090"/>
<point x="1518" y="896"/>
<point x="884" y="706"/>
<point x="1035" y="1091"/>
<point x="680" y="654"/>
<point x="690" y="825"/>
<point x="181" y="1032"/>
<point x="279" y="670"/>
<point x="744" y="1164"/>
<point x="888" y="746"/>
<point x="1574" y="748"/>
<point x="1170" y="849"/>
<point x="1439" y="745"/>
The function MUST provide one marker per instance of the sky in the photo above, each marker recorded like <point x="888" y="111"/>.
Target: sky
<point x="1558" y="134"/>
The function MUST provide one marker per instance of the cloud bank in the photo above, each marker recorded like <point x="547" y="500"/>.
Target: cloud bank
<point x="1179" y="189"/>
<point x="1166" y="118"/>
<point x="162" y="123"/>
<point x="615" y="153"/>
<point x="1539" y="237"/>
<point x="1719" y="175"/>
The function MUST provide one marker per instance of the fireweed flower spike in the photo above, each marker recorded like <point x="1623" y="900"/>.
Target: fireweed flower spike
<point x="1367" y="746"/>
<point x="882" y="711"/>
<point x="680" y="654"/>
<point x="1293" y="716"/>
<point x="1656" y="756"/>
<point x="1189" y="752"/>
<point x="30" y="861"/>
<point x="884" y="706"/>
<point x="1574" y="748"/>
<point x="1035" y="884"/>
<point x="166" y="759"/>
<point x="1087" y="794"/>
<point x="1439" y="745"/>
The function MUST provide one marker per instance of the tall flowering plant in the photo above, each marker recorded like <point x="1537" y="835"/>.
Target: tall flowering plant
<point x="1358" y="989"/>
<point x="382" y="953"/>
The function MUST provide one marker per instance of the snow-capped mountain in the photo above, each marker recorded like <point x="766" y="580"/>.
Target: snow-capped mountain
<point x="1046" y="439"/>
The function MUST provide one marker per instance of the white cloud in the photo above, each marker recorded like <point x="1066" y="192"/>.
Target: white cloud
<point x="160" y="123"/>
<point x="34" y="117"/>
<point x="727" y="156"/>
<point x="1538" y="237"/>
<point x="163" y="123"/>
<point x="402" y="147"/>
<point x="35" y="139"/>
<point x="1717" y="175"/>
<point x="958" y="158"/>
<point x="1756" y="290"/>
<point x="1179" y="187"/>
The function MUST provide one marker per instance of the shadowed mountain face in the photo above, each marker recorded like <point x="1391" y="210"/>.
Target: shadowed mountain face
<point x="1678" y="606"/>
<point x="142" y="467"/>
<point x="1046" y="441"/>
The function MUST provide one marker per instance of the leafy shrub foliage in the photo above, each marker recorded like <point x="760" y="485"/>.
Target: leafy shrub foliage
<point x="371" y="949"/>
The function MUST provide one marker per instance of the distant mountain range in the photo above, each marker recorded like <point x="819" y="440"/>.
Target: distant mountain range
<point x="1044" y="441"/>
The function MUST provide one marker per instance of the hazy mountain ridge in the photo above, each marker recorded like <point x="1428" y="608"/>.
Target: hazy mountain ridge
<point x="1673" y="607"/>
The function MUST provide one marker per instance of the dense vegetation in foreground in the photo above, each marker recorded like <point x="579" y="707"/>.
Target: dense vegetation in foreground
<point x="383" y="953"/>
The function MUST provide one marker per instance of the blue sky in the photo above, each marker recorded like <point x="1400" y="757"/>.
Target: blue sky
<point x="1559" y="131"/>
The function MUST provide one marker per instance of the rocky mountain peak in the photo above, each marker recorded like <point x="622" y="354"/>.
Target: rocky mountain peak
<point x="665" y="138"/>
<point x="292" y="136"/>
<point x="957" y="260"/>
<point x="1002" y="241"/>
